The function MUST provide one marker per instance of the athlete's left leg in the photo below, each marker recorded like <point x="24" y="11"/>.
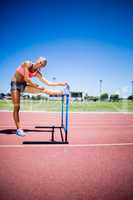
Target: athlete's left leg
<point x="30" y="89"/>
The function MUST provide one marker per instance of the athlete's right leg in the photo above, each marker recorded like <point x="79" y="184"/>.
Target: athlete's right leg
<point x="16" y="103"/>
<point x="15" y="94"/>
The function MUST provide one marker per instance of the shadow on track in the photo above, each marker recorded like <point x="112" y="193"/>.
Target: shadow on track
<point x="13" y="131"/>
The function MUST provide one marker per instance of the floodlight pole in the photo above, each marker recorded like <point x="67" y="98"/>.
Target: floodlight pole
<point x="132" y="90"/>
<point x="100" y="87"/>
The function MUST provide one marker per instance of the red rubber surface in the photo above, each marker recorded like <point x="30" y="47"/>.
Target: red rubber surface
<point x="67" y="171"/>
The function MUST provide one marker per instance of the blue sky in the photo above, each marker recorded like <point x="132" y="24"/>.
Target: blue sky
<point x="84" y="41"/>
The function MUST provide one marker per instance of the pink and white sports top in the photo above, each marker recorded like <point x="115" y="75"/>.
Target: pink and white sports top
<point x="20" y="69"/>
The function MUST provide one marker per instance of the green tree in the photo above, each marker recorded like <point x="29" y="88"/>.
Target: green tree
<point x="86" y="97"/>
<point x="104" y="97"/>
<point x="130" y="97"/>
<point x="114" y="97"/>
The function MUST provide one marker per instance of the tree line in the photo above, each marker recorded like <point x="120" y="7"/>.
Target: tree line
<point x="106" y="97"/>
<point x="86" y="97"/>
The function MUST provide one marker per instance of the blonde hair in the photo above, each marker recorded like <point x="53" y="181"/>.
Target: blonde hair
<point x="41" y="59"/>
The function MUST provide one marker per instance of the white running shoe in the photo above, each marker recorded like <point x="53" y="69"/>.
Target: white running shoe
<point x="20" y="132"/>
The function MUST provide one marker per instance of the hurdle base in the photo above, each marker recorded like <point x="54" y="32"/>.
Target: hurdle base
<point x="45" y="142"/>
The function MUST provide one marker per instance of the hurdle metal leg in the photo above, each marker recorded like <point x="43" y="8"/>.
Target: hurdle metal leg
<point x="66" y="127"/>
<point x="52" y="139"/>
<point x="64" y="98"/>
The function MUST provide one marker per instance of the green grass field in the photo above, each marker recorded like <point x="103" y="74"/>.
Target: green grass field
<point x="55" y="106"/>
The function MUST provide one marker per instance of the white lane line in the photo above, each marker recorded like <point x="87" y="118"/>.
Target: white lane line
<point x="64" y="145"/>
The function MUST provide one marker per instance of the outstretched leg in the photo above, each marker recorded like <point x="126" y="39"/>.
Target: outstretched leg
<point x="30" y="89"/>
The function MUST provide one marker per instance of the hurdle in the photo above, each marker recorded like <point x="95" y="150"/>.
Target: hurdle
<point x="63" y="127"/>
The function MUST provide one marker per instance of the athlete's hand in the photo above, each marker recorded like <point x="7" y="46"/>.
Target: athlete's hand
<point x="66" y="83"/>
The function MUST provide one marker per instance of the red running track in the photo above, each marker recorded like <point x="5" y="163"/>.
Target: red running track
<point x="96" y="164"/>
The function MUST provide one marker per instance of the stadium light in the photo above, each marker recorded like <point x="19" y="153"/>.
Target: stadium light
<point x="54" y="78"/>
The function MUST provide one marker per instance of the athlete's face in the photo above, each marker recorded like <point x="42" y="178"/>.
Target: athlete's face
<point x="40" y="64"/>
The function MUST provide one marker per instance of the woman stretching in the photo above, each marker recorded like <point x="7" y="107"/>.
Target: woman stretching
<point x="21" y="82"/>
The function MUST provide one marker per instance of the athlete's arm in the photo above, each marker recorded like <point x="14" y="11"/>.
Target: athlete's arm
<point x="26" y="74"/>
<point x="43" y="80"/>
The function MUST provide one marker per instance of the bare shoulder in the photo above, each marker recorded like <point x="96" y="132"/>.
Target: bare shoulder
<point x="27" y="63"/>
